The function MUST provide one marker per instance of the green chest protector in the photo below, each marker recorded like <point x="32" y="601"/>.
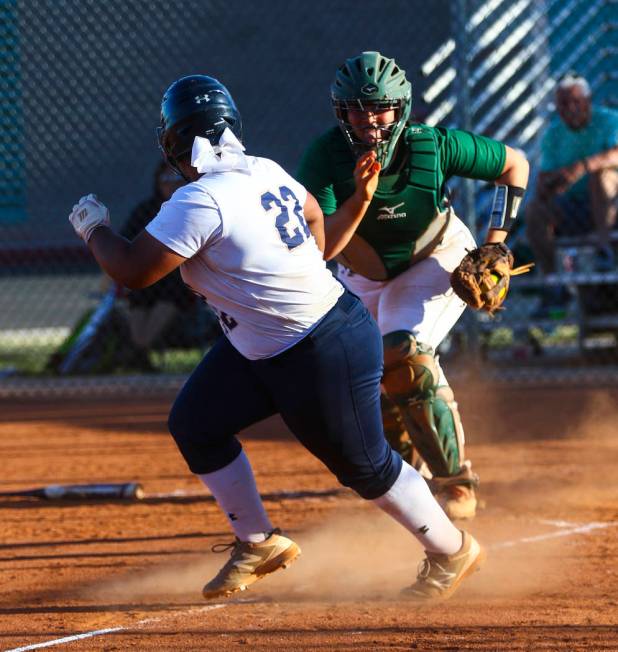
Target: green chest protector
<point x="406" y="218"/>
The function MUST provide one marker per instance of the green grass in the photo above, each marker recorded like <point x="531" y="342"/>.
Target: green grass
<point x="28" y="352"/>
<point x="30" y="356"/>
<point x="561" y="335"/>
<point x="28" y="361"/>
<point x="176" y="361"/>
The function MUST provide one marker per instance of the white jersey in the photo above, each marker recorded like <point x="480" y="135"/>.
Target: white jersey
<point x="250" y="254"/>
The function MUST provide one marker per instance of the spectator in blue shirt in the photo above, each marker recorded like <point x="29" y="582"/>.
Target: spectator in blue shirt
<point x="577" y="186"/>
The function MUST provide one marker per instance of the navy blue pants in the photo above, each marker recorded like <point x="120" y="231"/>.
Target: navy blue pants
<point x="326" y="388"/>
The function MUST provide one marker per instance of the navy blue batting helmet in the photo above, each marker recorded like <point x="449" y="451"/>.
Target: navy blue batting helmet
<point x="192" y="106"/>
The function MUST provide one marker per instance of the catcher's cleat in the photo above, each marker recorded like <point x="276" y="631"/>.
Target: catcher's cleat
<point x="249" y="562"/>
<point x="458" y="501"/>
<point x="439" y="575"/>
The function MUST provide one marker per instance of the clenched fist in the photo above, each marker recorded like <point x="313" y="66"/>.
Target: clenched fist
<point x="87" y="215"/>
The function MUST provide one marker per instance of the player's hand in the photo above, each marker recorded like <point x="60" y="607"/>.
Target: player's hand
<point x="88" y="214"/>
<point x="366" y="176"/>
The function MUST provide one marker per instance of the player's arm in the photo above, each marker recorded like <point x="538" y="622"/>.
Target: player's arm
<point x="134" y="264"/>
<point x="341" y="225"/>
<point x="315" y="219"/>
<point x="511" y="185"/>
<point x="478" y="157"/>
<point x="340" y="221"/>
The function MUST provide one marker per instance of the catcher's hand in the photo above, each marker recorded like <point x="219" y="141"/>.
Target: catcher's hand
<point x="88" y="214"/>
<point x="482" y="278"/>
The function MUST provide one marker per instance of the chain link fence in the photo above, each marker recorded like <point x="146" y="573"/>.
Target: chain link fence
<point x="496" y="74"/>
<point x="79" y="97"/>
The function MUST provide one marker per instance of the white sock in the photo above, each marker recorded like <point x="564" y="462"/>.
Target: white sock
<point x="235" y="491"/>
<point x="410" y="502"/>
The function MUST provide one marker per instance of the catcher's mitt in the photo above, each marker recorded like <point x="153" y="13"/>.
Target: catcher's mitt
<point x="482" y="278"/>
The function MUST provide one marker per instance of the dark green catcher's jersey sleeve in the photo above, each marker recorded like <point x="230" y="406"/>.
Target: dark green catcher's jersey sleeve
<point x="464" y="154"/>
<point x="316" y="174"/>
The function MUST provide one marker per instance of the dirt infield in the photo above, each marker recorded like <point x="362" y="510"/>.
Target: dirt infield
<point x="128" y="576"/>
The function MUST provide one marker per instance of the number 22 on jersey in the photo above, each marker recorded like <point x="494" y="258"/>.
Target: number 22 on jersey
<point x="292" y="232"/>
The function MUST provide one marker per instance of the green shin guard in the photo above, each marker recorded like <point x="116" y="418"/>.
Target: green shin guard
<point x="411" y="381"/>
<point x="432" y="430"/>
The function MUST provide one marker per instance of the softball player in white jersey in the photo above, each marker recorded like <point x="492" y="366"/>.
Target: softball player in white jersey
<point x="249" y="239"/>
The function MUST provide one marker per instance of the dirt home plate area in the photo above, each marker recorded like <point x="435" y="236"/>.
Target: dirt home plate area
<point x="128" y="575"/>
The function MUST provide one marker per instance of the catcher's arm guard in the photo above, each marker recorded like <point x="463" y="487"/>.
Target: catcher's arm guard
<point x="482" y="278"/>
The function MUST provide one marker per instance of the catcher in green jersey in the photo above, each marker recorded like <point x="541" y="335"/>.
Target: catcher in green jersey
<point x="380" y="182"/>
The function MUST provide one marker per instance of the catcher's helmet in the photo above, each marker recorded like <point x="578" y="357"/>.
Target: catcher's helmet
<point x="372" y="81"/>
<point x="192" y="106"/>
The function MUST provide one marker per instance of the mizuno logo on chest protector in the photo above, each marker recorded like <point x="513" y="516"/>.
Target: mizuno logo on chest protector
<point x="388" y="212"/>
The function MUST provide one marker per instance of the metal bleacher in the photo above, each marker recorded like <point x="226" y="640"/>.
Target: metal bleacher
<point x="595" y="293"/>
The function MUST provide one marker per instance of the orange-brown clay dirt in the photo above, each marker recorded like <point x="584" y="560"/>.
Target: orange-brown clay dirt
<point x="548" y="461"/>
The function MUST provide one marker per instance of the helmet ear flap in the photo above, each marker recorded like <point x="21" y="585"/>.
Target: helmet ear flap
<point x="173" y="163"/>
<point x="167" y="156"/>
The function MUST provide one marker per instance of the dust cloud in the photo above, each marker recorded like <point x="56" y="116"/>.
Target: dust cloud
<point x="359" y="554"/>
<point x="492" y="415"/>
<point x="353" y="554"/>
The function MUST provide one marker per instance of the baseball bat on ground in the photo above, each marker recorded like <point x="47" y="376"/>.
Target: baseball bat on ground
<point x="126" y="491"/>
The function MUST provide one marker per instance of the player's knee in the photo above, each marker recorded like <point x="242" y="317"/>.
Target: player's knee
<point x="203" y="451"/>
<point x="410" y="368"/>
<point x="373" y="479"/>
<point x="184" y="435"/>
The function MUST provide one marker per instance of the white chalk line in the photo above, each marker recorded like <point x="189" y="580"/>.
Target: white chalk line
<point x="557" y="523"/>
<point x="565" y="529"/>
<point x="111" y="630"/>
<point x="67" y="639"/>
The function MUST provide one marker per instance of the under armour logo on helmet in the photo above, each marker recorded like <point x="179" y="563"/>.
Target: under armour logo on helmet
<point x="201" y="98"/>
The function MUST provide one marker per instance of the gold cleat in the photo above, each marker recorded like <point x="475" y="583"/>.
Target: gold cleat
<point x="440" y="575"/>
<point x="249" y="562"/>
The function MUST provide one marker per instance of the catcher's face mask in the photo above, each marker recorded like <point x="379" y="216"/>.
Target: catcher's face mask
<point x="372" y="100"/>
<point x="370" y="125"/>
